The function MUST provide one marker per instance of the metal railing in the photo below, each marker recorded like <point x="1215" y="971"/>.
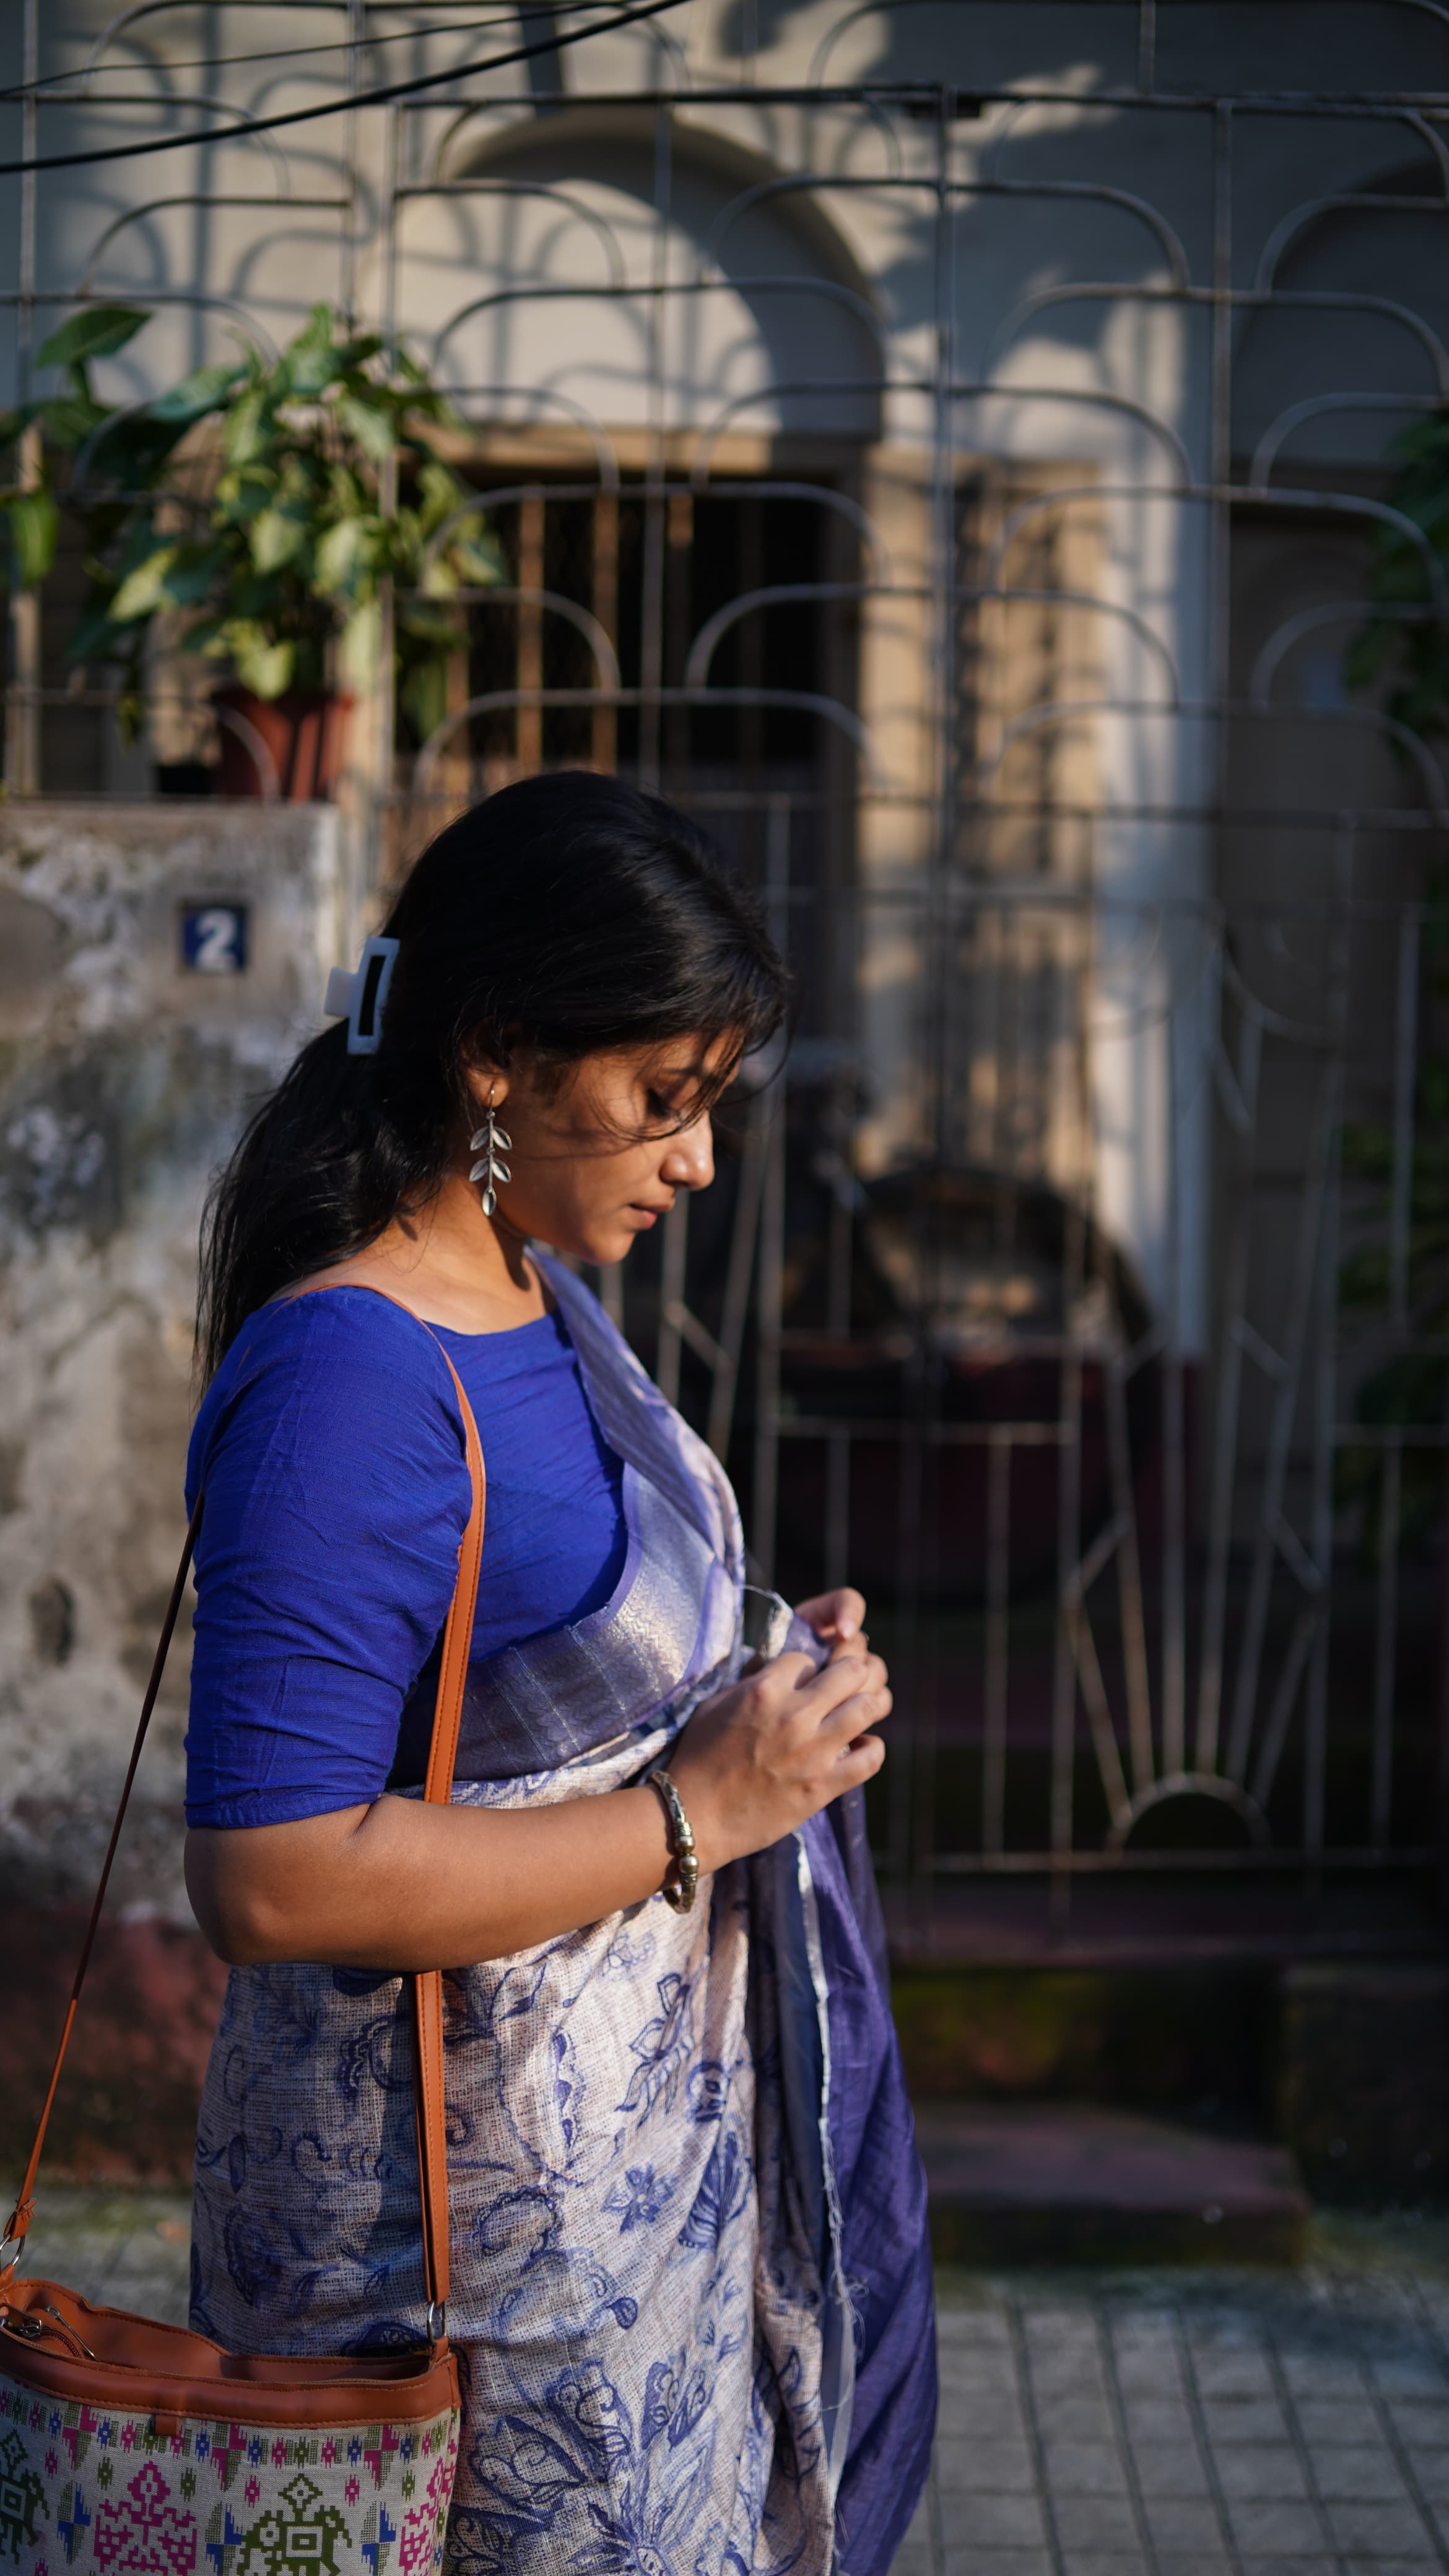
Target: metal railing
<point x="1149" y="1581"/>
<point x="1070" y="1287"/>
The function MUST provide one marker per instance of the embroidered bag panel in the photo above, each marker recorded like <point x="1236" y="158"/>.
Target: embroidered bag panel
<point x="88" y="2487"/>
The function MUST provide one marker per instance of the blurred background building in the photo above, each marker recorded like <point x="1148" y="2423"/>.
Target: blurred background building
<point x="956" y="449"/>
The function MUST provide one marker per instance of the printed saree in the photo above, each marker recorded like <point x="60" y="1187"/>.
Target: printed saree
<point x="691" y="2284"/>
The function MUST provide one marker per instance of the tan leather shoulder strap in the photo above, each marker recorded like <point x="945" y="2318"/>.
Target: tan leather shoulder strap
<point x="18" y="2224"/>
<point x="427" y="1985"/>
<point x="437" y="1790"/>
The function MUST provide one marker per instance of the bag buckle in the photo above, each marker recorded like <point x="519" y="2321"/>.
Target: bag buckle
<point x="32" y="2325"/>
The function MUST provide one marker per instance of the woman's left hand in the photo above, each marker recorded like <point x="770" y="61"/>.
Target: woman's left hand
<point x="838" y="1619"/>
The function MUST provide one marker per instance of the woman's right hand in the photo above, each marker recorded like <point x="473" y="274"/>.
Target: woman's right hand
<point x="403" y="1884"/>
<point x="759" y="1758"/>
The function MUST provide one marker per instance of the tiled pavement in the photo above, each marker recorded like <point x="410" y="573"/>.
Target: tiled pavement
<point x="1102" y="2424"/>
<point x="122" y="2249"/>
<point x="1194" y="2424"/>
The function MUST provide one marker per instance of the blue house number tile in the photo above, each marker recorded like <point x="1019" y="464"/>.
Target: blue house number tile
<point x="214" y="938"/>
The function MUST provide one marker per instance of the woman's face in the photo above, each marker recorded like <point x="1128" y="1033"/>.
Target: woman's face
<point x="599" y="1158"/>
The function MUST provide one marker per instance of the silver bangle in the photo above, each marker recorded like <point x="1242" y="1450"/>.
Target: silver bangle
<point x="681" y="1879"/>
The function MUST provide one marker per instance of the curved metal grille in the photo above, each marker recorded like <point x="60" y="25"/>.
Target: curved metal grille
<point x="954" y="476"/>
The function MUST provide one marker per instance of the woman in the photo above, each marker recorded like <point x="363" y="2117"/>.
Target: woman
<point x="690" y="2288"/>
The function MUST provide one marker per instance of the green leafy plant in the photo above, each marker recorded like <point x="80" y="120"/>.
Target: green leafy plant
<point x="272" y="556"/>
<point x="63" y="422"/>
<point x="1410" y="650"/>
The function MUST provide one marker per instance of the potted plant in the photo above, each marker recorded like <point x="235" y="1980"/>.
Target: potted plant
<point x="274" y="559"/>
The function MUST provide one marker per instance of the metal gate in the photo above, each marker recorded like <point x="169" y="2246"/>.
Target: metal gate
<point x="1074" y="1284"/>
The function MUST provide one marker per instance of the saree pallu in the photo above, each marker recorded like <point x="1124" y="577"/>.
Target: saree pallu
<point x="691" y="2286"/>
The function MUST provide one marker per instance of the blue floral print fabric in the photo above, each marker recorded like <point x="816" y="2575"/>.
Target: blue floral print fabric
<point x="691" y="2292"/>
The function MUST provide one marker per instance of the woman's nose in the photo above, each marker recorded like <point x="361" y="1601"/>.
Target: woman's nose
<point x="689" y="1163"/>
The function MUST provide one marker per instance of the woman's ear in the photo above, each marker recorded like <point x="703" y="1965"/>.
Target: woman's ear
<point x="488" y="1085"/>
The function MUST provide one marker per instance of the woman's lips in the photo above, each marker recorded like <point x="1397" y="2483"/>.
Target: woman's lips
<point x="648" y="1215"/>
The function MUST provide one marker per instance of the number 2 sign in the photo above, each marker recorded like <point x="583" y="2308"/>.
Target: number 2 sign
<point x="214" y="938"/>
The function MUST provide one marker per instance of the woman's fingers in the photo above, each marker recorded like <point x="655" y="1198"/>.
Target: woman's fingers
<point x="859" y="1762"/>
<point x="795" y="1669"/>
<point x="791" y="1688"/>
<point x="779" y="1745"/>
<point x="837" y="1614"/>
<point x="846" y="1679"/>
<point x="856" y="1716"/>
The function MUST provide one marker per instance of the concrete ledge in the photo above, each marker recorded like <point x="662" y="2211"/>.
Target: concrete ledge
<point x="126" y="2109"/>
<point x="1071" y="2183"/>
<point x="1162" y="2038"/>
<point x="1363" y="2087"/>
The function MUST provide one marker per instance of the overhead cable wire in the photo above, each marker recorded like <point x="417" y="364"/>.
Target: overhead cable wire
<point x="342" y="106"/>
<point x="45" y="88"/>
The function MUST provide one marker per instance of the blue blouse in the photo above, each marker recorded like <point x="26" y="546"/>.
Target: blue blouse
<point x="331" y="1450"/>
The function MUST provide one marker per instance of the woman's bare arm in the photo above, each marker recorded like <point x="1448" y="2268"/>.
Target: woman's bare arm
<point x="402" y="1885"/>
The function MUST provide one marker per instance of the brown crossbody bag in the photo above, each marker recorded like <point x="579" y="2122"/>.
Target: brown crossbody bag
<point x="129" y="2445"/>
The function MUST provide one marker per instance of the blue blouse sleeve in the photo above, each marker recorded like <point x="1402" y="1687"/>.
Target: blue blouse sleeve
<point x="331" y="1451"/>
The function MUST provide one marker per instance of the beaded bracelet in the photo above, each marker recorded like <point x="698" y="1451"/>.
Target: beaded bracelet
<point x="681" y="1879"/>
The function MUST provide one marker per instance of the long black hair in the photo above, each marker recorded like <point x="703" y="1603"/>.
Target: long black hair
<point x="564" y="914"/>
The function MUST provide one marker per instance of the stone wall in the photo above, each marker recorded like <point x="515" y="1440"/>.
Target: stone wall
<point x="125" y="1075"/>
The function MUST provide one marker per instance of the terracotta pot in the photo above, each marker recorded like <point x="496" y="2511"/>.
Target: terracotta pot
<point x="290" y="747"/>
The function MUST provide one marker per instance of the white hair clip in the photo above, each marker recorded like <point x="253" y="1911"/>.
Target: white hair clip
<point x="359" y="999"/>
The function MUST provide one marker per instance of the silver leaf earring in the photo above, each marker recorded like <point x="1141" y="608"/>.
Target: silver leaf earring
<point x="485" y="1142"/>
